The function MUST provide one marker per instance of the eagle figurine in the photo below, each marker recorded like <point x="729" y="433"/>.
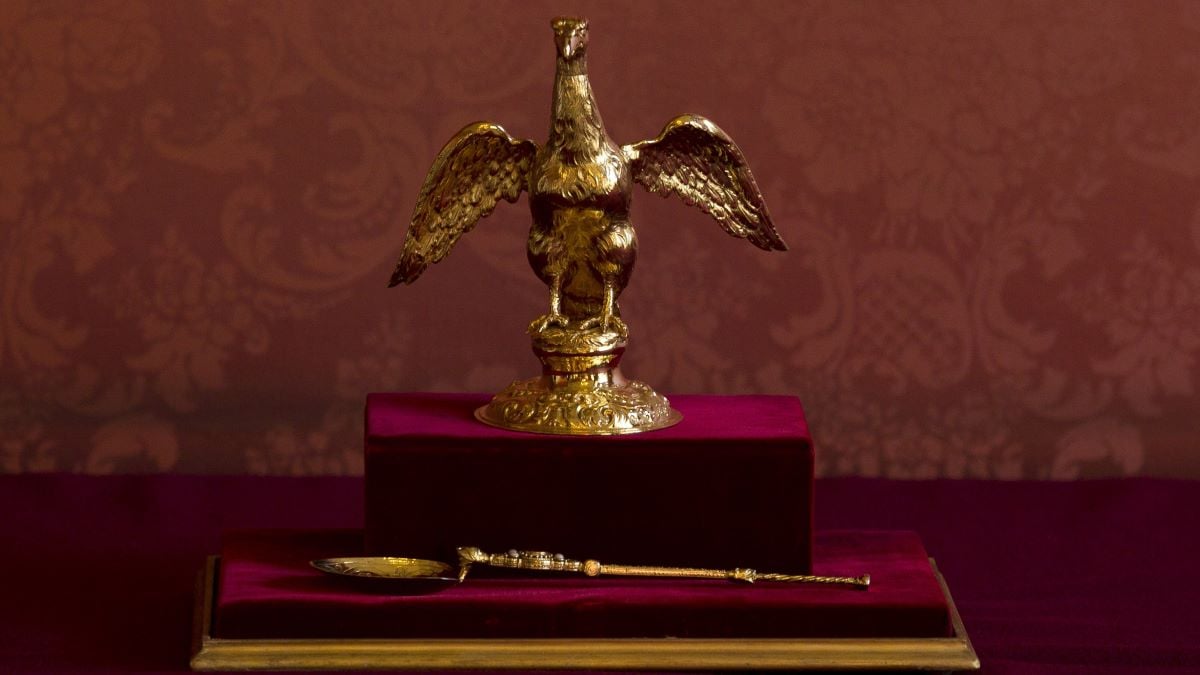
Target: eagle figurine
<point x="581" y="243"/>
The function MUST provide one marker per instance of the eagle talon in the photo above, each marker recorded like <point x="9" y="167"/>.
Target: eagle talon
<point x="545" y="321"/>
<point x="606" y="324"/>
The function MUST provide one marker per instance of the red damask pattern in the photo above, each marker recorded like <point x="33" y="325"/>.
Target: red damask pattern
<point x="993" y="209"/>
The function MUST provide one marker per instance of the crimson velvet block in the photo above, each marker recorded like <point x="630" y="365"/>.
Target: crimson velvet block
<point x="729" y="486"/>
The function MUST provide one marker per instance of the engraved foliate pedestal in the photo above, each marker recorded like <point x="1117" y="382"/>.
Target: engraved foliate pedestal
<point x="581" y="390"/>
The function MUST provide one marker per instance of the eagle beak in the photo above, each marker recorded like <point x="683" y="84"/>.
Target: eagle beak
<point x="572" y="44"/>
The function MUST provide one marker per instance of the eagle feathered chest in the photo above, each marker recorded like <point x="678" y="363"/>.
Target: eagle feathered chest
<point x="579" y="197"/>
<point x="566" y="177"/>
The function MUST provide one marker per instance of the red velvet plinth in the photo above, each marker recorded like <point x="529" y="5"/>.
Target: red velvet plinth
<point x="268" y="590"/>
<point x="729" y="486"/>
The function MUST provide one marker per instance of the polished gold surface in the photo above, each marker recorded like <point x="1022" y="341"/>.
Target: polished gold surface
<point x="384" y="567"/>
<point x="556" y="562"/>
<point x="953" y="653"/>
<point x="581" y="243"/>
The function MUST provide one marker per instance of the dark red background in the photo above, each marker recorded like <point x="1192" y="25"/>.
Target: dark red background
<point x="993" y="210"/>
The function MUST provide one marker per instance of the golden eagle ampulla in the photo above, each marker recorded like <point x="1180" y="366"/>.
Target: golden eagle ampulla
<point x="581" y="243"/>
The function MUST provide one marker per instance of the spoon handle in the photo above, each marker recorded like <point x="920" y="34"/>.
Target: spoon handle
<point x="556" y="562"/>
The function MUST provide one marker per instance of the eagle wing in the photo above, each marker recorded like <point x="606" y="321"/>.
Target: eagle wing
<point x="694" y="159"/>
<point x="476" y="168"/>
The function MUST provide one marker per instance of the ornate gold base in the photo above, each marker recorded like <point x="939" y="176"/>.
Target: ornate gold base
<point x="538" y="406"/>
<point x="581" y="390"/>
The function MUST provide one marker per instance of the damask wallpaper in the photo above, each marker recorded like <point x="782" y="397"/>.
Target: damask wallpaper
<point x="993" y="210"/>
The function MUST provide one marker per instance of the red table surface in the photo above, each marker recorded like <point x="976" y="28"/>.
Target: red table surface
<point x="1049" y="577"/>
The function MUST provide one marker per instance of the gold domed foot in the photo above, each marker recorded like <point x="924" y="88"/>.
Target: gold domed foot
<point x="608" y="410"/>
<point x="581" y="390"/>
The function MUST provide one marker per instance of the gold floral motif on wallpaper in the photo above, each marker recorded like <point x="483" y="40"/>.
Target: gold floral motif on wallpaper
<point x="994" y="211"/>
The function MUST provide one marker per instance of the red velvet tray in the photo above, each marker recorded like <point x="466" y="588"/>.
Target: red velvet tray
<point x="264" y="607"/>
<point x="268" y="590"/>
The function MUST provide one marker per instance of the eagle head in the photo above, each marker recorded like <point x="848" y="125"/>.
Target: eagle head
<point x="570" y="36"/>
